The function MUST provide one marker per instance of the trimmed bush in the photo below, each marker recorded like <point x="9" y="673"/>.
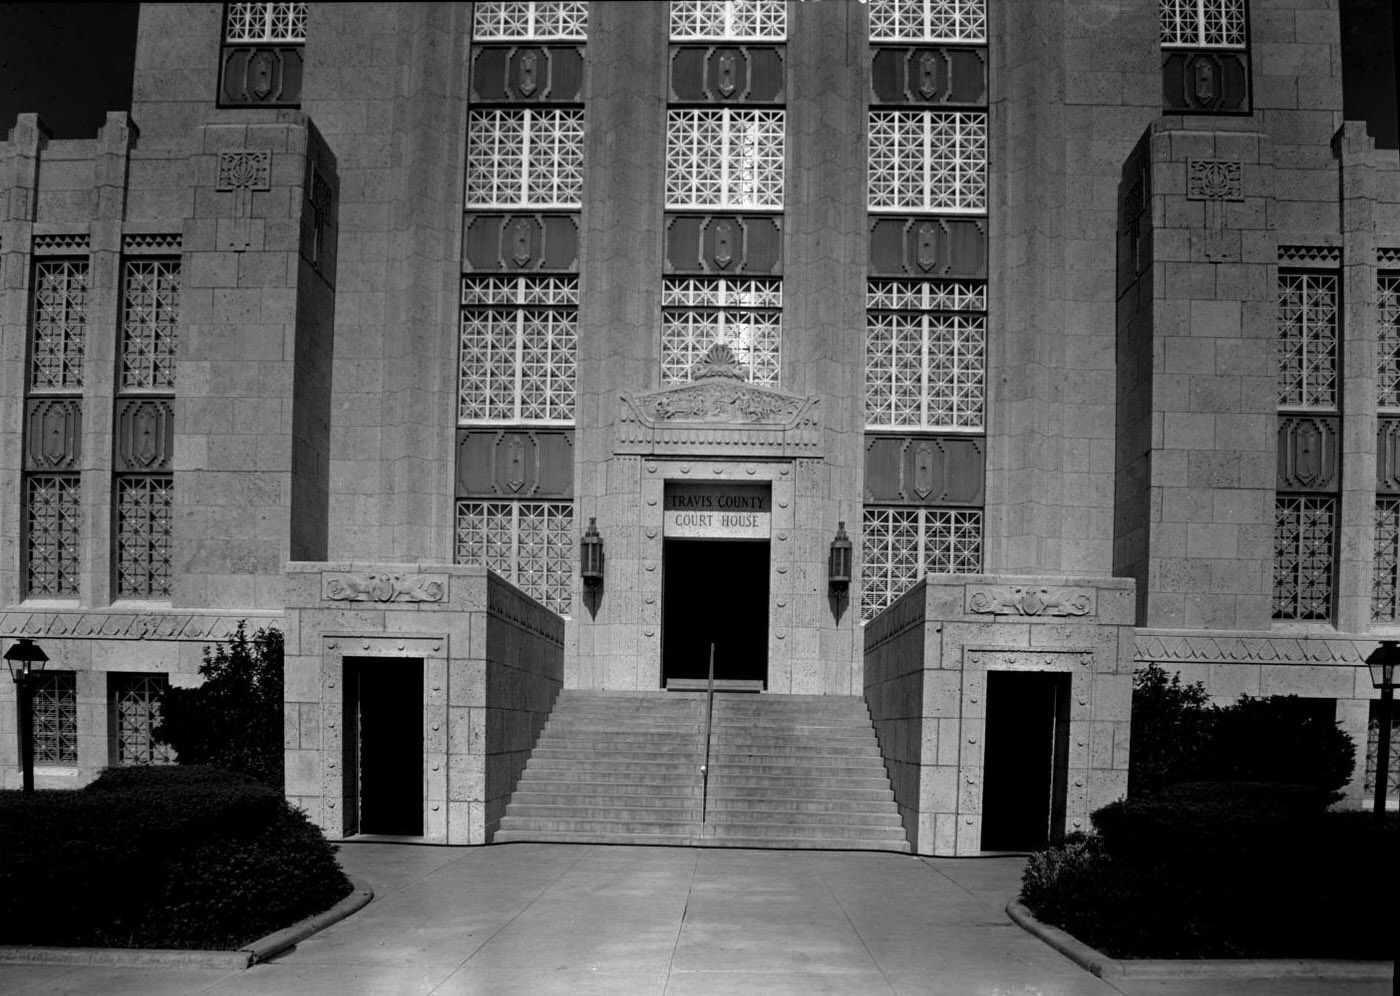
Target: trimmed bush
<point x="181" y="857"/>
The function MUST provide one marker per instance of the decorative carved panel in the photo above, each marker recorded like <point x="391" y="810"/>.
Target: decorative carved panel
<point x="144" y="434"/>
<point x="1029" y="600"/>
<point x="1388" y="455"/>
<point x="61" y="243"/>
<point x="535" y="73"/>
<point x="724" y="244"/>
<point x="245" y="169"/>
<point x="746" y="74"/>
<point x="924" y="470"/>
<point x="520" y="242"/>
<point x="261" y="76"/>
<point x="515" y="463"/>
<point x="1308" y="453"/>
<point x="1205" y="81"/>
<point x="1325" y="256"/>
<point x="944" y="76"/>
<point x="140" y="243"/>
<point x="928" y="247"/>
<point x="383" y="587"/>
<point x="53" y="434"/>
<point x="1214" y="179"/>
<point x="1260" y="648"/>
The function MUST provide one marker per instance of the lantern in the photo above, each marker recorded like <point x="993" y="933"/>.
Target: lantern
<point x="591" y="555"/>
<point x="838" y="566"/>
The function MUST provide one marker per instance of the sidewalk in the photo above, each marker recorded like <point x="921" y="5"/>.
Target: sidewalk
<point x="585" y="919"/>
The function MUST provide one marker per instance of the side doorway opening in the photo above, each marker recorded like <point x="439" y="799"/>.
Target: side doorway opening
<point x="714" y="591"/>
<point x="383" y="746"/>
<point x="1025" y="760"/>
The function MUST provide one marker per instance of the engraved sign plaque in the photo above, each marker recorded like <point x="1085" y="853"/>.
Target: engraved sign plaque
<point x="718" y="510"/>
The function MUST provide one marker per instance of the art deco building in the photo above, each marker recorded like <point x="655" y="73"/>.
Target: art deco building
<point x="1081" y="322"/>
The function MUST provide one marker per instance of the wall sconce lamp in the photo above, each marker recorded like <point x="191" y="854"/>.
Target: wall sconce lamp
<point x="591" y="556"/>
<point x="838" y="564"/>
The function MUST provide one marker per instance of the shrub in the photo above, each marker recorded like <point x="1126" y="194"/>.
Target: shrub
<point x="1168" y="730"/>
<point x="234" y="719"/>
<point x="159" y="857"/>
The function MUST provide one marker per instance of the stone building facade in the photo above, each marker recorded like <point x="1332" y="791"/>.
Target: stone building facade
<point x="1082" y="322"/>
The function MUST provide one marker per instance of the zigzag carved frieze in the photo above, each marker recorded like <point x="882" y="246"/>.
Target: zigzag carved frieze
<point x="1203" y="649"/>
<point x="128" y="625"/>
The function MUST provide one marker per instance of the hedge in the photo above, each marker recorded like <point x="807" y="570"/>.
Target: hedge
<point x="172" y="857"/>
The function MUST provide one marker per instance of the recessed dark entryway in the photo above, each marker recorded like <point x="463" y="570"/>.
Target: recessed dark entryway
<point x="1025" y="759"/>
<point x="384" y="745"/>
<point x="715" y="591"/>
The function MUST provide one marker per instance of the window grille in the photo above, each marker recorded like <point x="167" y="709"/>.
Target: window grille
<point x="529" y="543"/>
<point x="928" y="161"/>
<point x="51" y="535"/>
<point x="279" y="23"/>
<point x="724" y="158"/>
<point x="525" y="158"/>
<point x="1304" y="530"/>
<point x="135" y="712"/>
<point x="562" y="20"/>
<point x="728" y="20"/>
<point x="901" y="545"/>
<point x="1307" y="341"/>
<point x="698" y="313"/>
<point x="60" y="324"/>
<point x="150" y="324"/>
<point x="518" y="340"/>
<point x="928" y="21"/>
<point x="144" y="515"/>
<point x="1385" y="579"/>
<point x="1202" y="23"/>
<point x="55" y="718"/>
<point x="925" y="368"/>
<point x="1373" y="732"/>
<point x="1388" y="341"/>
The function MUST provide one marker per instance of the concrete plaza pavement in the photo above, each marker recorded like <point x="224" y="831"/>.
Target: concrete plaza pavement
<point x="593" y="919"/>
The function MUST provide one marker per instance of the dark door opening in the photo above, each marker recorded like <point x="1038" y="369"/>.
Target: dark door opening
<point x="1025" y="759"/>
<point x="714" y="591"/>
<point x="384" y="746"/>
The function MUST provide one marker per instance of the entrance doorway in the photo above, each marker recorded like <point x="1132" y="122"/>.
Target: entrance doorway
<point x="1025" y="760"/>
<point x="714" y="591"/>
<point x="383" y="763"/>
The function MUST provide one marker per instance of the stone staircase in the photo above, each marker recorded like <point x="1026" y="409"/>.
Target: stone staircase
<point x="788" y="771"/>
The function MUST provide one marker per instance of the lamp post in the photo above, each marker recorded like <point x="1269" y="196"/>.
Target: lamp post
<point x="26" y="660"/>
<point x="1382" y="666"/>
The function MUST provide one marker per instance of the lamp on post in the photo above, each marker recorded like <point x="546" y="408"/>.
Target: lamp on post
<point x="838" y="564"/>
<point x="26" y="660"/>
<point x="1382" y="666"/>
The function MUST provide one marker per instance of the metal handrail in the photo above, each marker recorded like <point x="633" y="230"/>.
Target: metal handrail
<point x="705" y="768"/>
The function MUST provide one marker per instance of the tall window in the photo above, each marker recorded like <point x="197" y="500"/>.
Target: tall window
<point x="1205" y="56"/>
<point x="1202" y="23"/>
<point x="745" y="315"/>
<point x="724" y="158"/>
<point x="520" y="292"/>
<point x="56" y="718"/>
<point x="135" y="710"/>
<point x="926" y="299"/>
<point x="1385" y="582"/>
<point x="1305" y="513"/>
<point x="60" y="325"/>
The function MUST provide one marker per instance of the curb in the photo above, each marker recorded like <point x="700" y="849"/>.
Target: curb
<point x="245" y="957"/>
<point x="1097" y="963"/>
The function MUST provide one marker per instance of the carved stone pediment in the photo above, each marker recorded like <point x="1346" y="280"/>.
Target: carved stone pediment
<point x="719" y="410"/>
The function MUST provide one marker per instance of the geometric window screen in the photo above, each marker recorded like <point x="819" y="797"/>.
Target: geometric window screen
<point x="1307" y="341"/>
<point x="1388" y="341"/>
<point x="925" y="368"/>
<point x="51" y="517"/>
<point x="150" y="316"/>
<point x="60" y="324"/>
<point x="928" y="161"/>
<point x="1373" y="730"/>
<point x="728" y="20"/>
<point x="517" y="353"/>
<point x="1304" y="544"/>
<point x="1385" y="580"/>
<point x="55" y="718"/>
<point x="724" y="158"/>
<point x="1202" y="23"/>
<point x="928" y="20"/>
<point x="901" y="545"/>
<point x="525" y="158"/>
<point x="266" y="22"/>
<point x="745" y="315"/>
<point x="144" y="514"/>
<point x="135" y="711"/>
<point x="557" y="19"/>
<point x="529" y="543"/>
